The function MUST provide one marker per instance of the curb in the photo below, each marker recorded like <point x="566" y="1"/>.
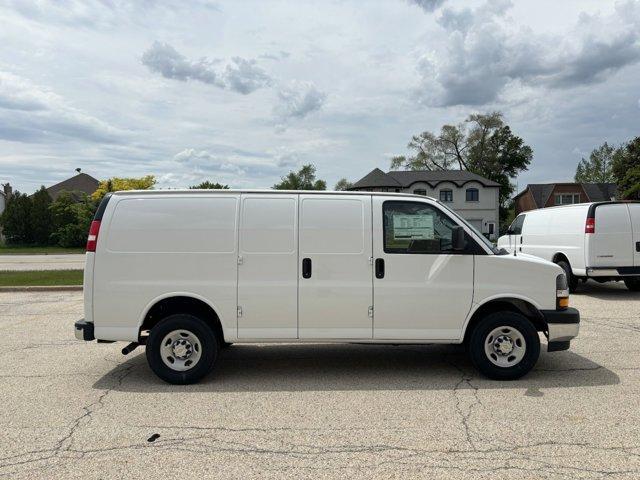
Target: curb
<point x="51" y="288"/>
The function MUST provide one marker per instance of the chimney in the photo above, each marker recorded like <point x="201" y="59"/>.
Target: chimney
<point x="8" y="190"/>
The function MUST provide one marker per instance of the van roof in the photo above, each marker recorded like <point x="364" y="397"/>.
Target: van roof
<point x="590" y="206"/>
<point x="264" y="191"/>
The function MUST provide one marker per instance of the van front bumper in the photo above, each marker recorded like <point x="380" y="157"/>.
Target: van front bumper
<point x="84" y="330"/>
<point x="562" y="327"/>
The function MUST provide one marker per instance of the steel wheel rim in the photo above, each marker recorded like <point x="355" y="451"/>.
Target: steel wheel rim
<point x="505" y="346"/>
<point x="180" y="350"/>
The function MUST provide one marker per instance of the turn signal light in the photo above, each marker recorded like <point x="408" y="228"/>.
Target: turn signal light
<point x="563" y="302"/>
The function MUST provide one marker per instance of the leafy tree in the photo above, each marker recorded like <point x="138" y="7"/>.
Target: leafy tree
<point x="15" y="219"/>
<point x="626" y="170"/>
<point x="207" y="185"/>
<point x="482" y="144"/>
<point x="40" y="217"/>
<point x="343" y="184"/>
<point x="116" y="184"/>
<point x="304" y="179"/>
<point x="72" y="213"/>
<point x="598" y="169"/>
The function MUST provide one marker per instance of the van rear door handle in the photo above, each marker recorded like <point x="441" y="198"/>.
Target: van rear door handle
<point x="306" y="268"/>
<point x="379" y="267"/>
<point x="637" y="246"/>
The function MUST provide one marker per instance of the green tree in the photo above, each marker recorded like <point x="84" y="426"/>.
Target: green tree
<point x="343" y="184"/>
<point x="626" y="170"/>
<point x="15" y="219"/>
<point x="598" y="169"/>
<point x="40" y="217"/>
<point x="72" y="213"/>
<point x="207" y="185"/>
<point x="116" y="184"/>
<point x="303" y="179"/>
<point x="482" y="144"/>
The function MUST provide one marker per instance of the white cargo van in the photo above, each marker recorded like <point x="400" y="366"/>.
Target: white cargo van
<point x="588" y="240"/>
<point x="188" y="273"/>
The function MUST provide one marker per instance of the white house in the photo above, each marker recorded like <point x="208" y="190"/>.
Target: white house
<point x="473" y="197"/>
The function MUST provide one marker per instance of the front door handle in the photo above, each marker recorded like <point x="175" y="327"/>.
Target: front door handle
<point x="521" y="238"/>
<point x="306" y="268"/>
<point x="379" y="267"/>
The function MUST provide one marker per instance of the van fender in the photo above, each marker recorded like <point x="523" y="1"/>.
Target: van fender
<point x="502" y="296"/>
<point x="196" y="296"/>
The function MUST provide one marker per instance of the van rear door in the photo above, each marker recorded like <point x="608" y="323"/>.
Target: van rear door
<point x="611" y="243"/>
<point x="634" y="213"/>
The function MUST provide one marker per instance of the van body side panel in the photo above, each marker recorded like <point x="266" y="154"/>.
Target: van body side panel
<point x="611" y="245"/>
<point x="87" y="286"/>
<point x="634" y="213"/>
<point x="335" y="239"/>
<point x="268" y="270"/>
<point x="152" y="246"/>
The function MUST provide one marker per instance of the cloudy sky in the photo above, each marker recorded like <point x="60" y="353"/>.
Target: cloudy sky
<point x="242" y="92"/>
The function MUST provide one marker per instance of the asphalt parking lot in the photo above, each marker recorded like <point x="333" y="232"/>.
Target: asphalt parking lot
<point x="76" y="410"/>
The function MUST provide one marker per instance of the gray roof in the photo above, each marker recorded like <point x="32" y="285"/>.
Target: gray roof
<point x="78" y="183"/>
<point x="597" y="192"/>
<point x="402" y="179"/>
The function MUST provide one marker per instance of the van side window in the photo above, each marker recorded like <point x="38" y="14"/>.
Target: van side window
<point x="413" y="227"/>
<point x="516" y="226"/>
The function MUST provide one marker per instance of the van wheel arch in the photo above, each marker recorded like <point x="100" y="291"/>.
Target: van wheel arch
<point x="180" y="304"/>
<point x="506" y="304"/>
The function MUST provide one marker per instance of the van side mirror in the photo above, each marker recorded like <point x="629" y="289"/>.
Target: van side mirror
<point x="458" y="241"/>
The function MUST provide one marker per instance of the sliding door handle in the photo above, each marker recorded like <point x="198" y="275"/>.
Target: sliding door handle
<point x="306" y="268"/>
<point x="379" y="267"/>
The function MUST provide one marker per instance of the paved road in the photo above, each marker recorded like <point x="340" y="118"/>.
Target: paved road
<point x="42" y="262"/>
<point x="75" y="410"/>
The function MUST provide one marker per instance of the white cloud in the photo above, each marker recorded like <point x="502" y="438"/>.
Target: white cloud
<point x="298" y="99"/>
<point x="239" y="75"/>
<point x="484" y="53"/>
<point x="29" y="113"/>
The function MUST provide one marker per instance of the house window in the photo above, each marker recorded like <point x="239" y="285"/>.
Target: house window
<point x="446" y="195"/>
<point x="567" y="198"/>
<point x="420" y="191"/>
<point x="473" y="195"/>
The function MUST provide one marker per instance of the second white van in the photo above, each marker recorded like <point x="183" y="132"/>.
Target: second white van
<point x="187" y="273"/>
<point x="588" y="240"/>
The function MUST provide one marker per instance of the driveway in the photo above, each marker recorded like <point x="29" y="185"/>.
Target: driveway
<point x="82" y="410"/>
<point x="42" y="262"/>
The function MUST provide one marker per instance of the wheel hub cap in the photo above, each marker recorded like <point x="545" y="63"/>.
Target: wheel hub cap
<point x="503" y="345"/>
<point x="182" y="349"/>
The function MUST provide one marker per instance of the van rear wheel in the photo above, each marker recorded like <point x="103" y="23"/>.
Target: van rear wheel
<point x="181" y="349"/>
<point x="504" y="346"/>
<point x="632" y="283"/>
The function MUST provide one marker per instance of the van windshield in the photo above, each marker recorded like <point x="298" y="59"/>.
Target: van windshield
<point x="493" y="248"/>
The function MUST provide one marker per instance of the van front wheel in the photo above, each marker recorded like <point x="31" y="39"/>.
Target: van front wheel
<point x="181" y="349"/>
<point x="504" y="346"/>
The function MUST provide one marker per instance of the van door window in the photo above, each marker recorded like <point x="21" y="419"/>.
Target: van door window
<point x="412" y="227"/>
<point x="516" y="226"/>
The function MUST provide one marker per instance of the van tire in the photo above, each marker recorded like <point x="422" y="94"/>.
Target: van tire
<point x="632" y="283"/>
<point x="572" y="280"/>
<point x="518" y="330"/>
<point x="195" y="330"/>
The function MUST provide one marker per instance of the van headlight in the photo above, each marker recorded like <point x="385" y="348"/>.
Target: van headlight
<point x="562" y="292"/>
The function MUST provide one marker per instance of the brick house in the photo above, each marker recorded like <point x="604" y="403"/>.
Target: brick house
<point x="542" y="195"/>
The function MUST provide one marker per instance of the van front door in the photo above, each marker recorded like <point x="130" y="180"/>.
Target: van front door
<point x="422" y="289"/>
<point x="335" y="273"/>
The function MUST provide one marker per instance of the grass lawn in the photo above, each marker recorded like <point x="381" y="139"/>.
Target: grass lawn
<point x="40" y="278"/>
<point x="30" y="250"/>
